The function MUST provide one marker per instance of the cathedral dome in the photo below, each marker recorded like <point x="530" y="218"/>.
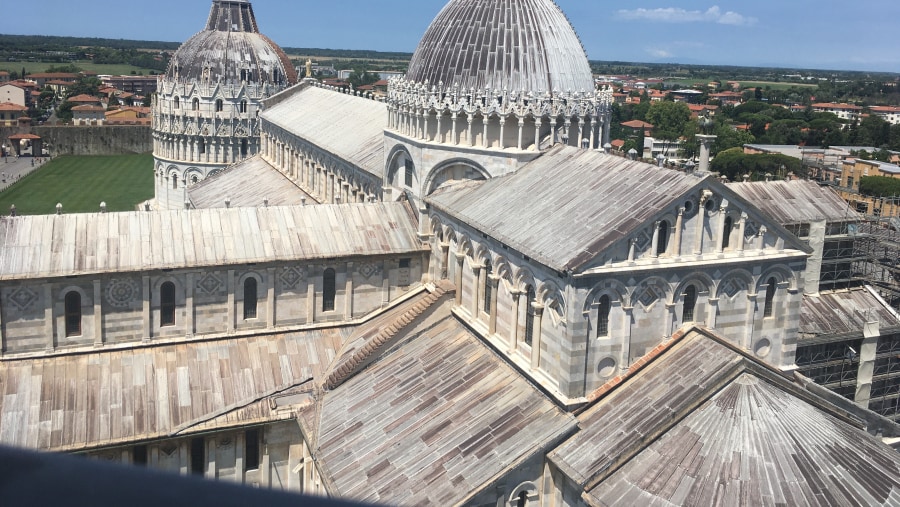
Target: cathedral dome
<point x="231" y="50"/>
<point x="515" y="45"/>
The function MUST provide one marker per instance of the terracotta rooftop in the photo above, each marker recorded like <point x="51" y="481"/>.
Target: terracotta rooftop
<point x="637" y="124"/>
<point x="83" y="98"/>
<point x="9" y="106"/>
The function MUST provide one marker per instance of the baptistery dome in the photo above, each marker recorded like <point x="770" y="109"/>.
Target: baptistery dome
<point x="515" y="45"/>
<point x="231" y="50"/>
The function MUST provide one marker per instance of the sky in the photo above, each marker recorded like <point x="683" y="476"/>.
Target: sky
<point x="816" y="34"/>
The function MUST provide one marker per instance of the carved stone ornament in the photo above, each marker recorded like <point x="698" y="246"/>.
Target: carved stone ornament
<point x="209" y="284"/>
<point x="369" y="269"/>
<point x="121" y="292"/>
<point x="291" y="277"/>
<point x="23" y="298"/>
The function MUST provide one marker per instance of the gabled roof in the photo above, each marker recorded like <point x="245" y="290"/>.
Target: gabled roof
<point x="349" y="127"/>
<point x="141" y="241"/>
<point x="433" y="422"/>
<point x="247" y="184"/>
<point x="794" y="202"/>
<point x="84" y="98"/>
<point x="580" y="203"/>
<point x="705" y="424"/>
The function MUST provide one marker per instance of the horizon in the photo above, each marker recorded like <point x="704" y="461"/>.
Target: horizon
<point x="655" y="32"/>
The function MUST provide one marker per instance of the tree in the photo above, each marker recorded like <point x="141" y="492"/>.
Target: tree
<point x="669" y="119"/>
<point x="84" y="86"/>
<point x="734" y="164"/>
<point x="879" y="186"/>
<point x="728" y="137"/>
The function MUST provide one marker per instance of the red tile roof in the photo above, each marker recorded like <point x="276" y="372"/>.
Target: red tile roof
<point x="9" y="106"/>
<point x="84" y="98"/>
<point x="637" y="124"/>
<point x="844" y="107"/>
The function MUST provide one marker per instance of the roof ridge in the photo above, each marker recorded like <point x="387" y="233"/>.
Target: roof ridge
<point x="351" y="366"/>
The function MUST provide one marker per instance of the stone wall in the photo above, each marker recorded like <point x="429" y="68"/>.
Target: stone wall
<point x="96" y="140"/>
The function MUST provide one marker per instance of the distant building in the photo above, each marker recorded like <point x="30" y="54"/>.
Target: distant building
<point x="843" y="111"/>
<point x="11" y="113"/>
<point x="890" y="114"/>
<point x="728" y="98"/>
<point x="138" y="85"/>
<point x="88" y="115"/>
<point x="13" y="94"/>
<point x="41" y="79"/>
<point x="653" y="148"/>
<point x="853" y="171"/>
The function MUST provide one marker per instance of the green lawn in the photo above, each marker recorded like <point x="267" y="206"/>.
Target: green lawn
<point x="87" y="65"/>
<point x="81" y="184"/>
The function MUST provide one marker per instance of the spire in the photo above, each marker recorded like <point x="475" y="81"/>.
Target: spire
<point x="232" y="16"/>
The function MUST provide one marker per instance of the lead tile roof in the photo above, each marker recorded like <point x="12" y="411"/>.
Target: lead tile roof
<point x="514" y="45"/>
<point x="247" y="184"/>
<point x="794" y="202"/>
<point x="104" y="398"/>
<point x="704" y="424"/>
<point x="844" y="312"/>
<point x="432" y="422"/>
<point x="567" y="206"/>
<point x="348" y="127"/>
<point x="78" y="244"/>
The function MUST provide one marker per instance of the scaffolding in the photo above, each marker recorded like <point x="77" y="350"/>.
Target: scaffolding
<point x="877" y="257"/>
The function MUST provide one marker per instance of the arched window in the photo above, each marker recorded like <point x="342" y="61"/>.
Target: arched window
<point x="243" y="147"/>
<point x="250" y="298"/>
<point x="603" y="317"/>
<point x="174" y="182"/>
<point x="219" y="105"/>
<point x="663" y="242"/>
<point x="167" y="304"/>
<point x="194" y="180"/>
<point x="73" y="314"/>
<point x="195" y="104"/>
<point x="409" y="170"/>
<point x="690" y="304"/>
<point x="488" y="286"/>
<point x="177" y="103"/>
<point x="243" y="106"/>
<point x="522" y="501"/>
<point x="328" y="290"/>
<point x="726" y="234"/>
<point x="770" y="297"/>
<point x="201" y="146"/>
<point x="529" y="315"/>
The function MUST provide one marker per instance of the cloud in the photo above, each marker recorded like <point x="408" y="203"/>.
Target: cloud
<point x="659" y="53"/>
<point x="677" y="15"/>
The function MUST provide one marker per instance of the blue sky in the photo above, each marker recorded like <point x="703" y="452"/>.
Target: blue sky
<point x="823" y="34"/>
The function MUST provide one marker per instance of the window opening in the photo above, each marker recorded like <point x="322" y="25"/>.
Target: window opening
<point x="251" y="449"/>
<point x="328" y="290"/>
<point x="726" y="234"/>
<point x="770" y="297"/>
<point x="603" y="317"/>
<point x="167" y="304"/>
<point x="663" y="242"/>
<point x="198" y="456"/>
<point x="73" y="314"/>
<point x="690" y="304"/>
<point x="488" y="286"/>
<point x="529" y="315"/>
<point x="250" y="298"/>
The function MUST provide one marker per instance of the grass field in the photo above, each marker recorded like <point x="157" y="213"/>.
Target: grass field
<point x="99" y="68"/>
<point x="81" y="184"/>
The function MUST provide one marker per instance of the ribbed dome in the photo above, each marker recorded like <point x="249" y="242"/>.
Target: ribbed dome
<point x="231" y="50"/>
<point x="510" y="45"/>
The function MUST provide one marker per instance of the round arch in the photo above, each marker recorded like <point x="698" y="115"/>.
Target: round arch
<point x="616" y="290"/>
<point x="392" y="167"/>
<point x="701" y="281"/>
<point x="782" y="274"/>
<point x="742" y="277"/>
<point x="456" y="169"/>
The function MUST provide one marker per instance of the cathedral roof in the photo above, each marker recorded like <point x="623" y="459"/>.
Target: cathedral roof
<point x="231" y="50"/>
<point x="799" y="201"/>
<point x="698" y="422"/>
<point x="346" y="126"/>
<point x="141" y="241"/>
<point x="515" y="45"/>
<point x="580" y="203"/>
<point x="248" y="183"/>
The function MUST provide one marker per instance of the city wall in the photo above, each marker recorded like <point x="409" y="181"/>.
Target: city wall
<point x="93" y="140"/>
